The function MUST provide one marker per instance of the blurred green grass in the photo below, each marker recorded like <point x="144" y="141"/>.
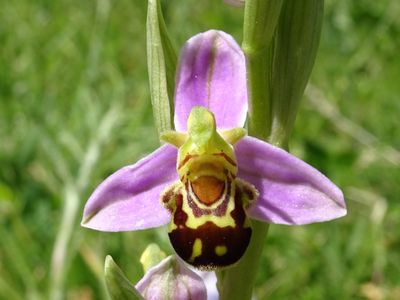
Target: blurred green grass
<point x="74" y="107"/>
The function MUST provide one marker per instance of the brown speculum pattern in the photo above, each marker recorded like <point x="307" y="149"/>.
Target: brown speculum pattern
<point x="209" y="228"/>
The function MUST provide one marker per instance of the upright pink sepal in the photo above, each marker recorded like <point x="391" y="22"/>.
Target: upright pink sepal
<point x="212" y="73"/>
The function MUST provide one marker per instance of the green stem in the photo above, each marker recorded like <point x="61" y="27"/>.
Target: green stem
<point x="280" y="43"/>
<point x="260" y="20"/>
<point x="258" y="81"/>
<point x="237" y="282"/>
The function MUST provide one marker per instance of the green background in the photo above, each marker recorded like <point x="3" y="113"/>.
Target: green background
<point x="75" y="106"/>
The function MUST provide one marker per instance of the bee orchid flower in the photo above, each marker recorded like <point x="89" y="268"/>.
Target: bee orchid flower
<point x="210" y="179"/>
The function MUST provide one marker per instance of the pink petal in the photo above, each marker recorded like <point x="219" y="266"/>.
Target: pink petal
<point x="291" y="191"/>
<point x="212" y="74"/>
<point x="129" y="199"/>
<point x="172" y="279"/>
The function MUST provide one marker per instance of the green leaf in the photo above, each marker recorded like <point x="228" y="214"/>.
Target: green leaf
<point x="118" y="286"/>
<point x="161" y="60"/>
<point x="295" y="48"/>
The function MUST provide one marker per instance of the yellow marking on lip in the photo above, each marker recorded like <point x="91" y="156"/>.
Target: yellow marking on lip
<point x="196" y="250"/>
<point x="220" y="221"/>
<point x="221" y="250"/>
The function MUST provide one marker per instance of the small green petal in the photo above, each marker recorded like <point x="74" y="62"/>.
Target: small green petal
<point x="232" y="136"/>
<point x="174" y="138"/>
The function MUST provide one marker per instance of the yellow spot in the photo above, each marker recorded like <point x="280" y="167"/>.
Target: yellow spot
<point x="220" y="221"/>
<point x="197" y="249"/>
<point x="221" y="250"/>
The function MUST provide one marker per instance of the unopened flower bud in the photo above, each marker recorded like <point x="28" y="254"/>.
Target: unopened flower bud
<point x="151" y="256"/>
<point x="171" y="279"/>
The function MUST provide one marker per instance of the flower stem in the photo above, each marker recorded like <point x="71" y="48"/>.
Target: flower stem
<point x="237" y="282"/>
<point x="260" y="20"/>
<point x="280" y="43"/>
